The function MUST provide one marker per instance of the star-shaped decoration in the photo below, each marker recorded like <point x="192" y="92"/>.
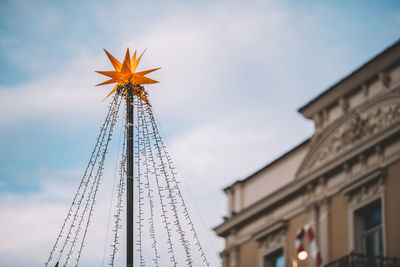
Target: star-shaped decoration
<point x="125" y="74"/>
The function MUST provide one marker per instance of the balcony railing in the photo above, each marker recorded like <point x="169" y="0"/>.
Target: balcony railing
<point x="362" y="260"/>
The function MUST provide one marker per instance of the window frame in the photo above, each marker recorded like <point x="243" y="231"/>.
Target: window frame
<point x="273" y="253"/>
<point x="360" y="234"/>
<point x="271" y="239"/>
<point x="354" y="243"/>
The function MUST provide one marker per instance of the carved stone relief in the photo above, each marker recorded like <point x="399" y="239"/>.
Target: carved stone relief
<point x="272" y="242"/>
<point x="366" y="192"/>
<point x="384" y="77"/>
<point x="356" y="128"/>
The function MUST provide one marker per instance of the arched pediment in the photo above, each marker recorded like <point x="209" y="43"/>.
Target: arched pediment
<point x="357" y="127"/>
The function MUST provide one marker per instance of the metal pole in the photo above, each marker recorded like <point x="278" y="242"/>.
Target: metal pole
<point x="130" y="174"/>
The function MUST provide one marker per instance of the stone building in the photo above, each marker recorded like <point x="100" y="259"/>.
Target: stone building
<point x="343" y="182"/>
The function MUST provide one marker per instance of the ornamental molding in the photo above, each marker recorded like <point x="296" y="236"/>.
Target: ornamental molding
<point x="271" y="232"/>
<point x="272" y="242"/>
<point x="271" y="239"/>
<point x="358" y="126"/>
<point x="365" y="188"/>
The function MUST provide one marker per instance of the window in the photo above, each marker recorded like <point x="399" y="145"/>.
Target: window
<point x="369" y="229"/>
<point x="274" y="259"/>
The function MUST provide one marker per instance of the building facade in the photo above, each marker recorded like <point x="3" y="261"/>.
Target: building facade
<point x="343" y="182"/>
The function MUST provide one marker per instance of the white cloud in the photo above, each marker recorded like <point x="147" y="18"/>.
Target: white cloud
<point x="231" y="78"/>
<point x="31" y="222"/>
<point x="205" y="58"/>
<point x="68" y="96"/>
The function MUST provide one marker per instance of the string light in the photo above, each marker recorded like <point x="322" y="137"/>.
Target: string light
<point x="119" y="206"/>
<point x="77" y="201"/>
<point x="154" y="175"/>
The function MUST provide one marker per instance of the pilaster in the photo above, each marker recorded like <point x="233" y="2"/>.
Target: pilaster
<point x="234" y="256"/>
<point x="323" y="229"/>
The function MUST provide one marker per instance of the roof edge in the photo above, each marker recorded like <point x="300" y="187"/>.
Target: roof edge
<point x="303" y="110"/>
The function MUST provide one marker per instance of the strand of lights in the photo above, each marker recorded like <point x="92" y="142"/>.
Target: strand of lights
<point x="119" y="206"/>
<point x="175" y="185"/>
<point x="99" y="175"/>
<point x="103" y="149"/>
<point x="146" y="150"/>
<point x="157" y="174"/>
<point x="172" y="197"/>
<point x="84" y="181"/>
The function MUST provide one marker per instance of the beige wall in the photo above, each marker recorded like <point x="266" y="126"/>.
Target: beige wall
<point x="339" y="227"/>
<point x="294" y="224"/>
<point x="272" y="178"/>
<point x="249" y="254"/>
<point x="393" y="211"/>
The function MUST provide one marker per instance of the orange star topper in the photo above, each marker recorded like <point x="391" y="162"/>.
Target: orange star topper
<point x="125" y="74"/>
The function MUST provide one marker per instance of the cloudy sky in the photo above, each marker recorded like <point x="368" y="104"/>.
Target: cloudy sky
<point x="233" y="75"/>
